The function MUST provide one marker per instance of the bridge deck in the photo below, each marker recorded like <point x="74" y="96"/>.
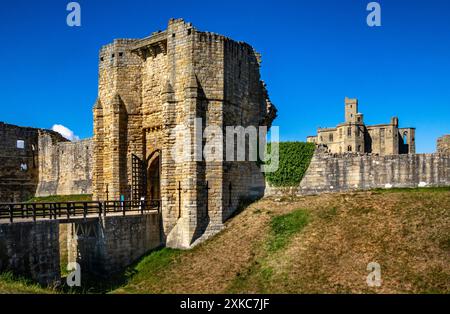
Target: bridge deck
<point x="72" y="211"/>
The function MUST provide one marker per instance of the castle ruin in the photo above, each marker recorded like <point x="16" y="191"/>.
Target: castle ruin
<point x="354" y="135"/>
<point x="39" y="162"/>
<point x="443" y="144"/>
<point x="148" y="87"/>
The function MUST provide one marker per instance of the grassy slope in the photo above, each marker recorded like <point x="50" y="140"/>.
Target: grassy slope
<point x="11" y="285"/>
<point x="316" y="244"/>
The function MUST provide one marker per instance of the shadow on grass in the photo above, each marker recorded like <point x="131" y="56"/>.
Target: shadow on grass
<point x="149" y="268"/>
<point x="243" y="204"/>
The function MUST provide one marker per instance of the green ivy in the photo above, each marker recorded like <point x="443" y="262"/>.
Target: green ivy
<point x="295" y="158"/>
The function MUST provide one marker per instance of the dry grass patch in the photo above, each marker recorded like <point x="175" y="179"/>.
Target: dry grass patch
<point x="273" y="247"/>
<point x="405" y="231"/>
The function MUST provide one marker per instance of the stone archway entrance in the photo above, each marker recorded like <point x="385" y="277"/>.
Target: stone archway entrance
<point x="153" y="186"/>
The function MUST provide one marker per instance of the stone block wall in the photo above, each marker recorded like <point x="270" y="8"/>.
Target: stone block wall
<point x="102" y="246"/>
<point x="39" y="162"/>
<point x="31" y="250"/>
<point x="65" y="168"/>
<point x="106" y="246"/>
<point x="19" y="161"/>
<point x="350" y="172"/>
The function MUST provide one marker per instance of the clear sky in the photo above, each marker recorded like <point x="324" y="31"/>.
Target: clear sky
<point x="315" y="53"/>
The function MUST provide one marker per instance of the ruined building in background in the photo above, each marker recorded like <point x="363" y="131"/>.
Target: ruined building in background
<point x="19" y="163"/>
<point x="443" y="144"/>
<point x="39" y="162"/>
<point x="354" y="136"/>
<point x="148" y="87"/>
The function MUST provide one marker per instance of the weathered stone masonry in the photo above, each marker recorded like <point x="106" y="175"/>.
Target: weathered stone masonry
<point x="19" y="161"/>
<point x="443" y="144"/>
<point x="65" y="168"/>
<point x="148" y="87"/>
<point x="39" y="162"/>
<point x="30" y="249"/>
<point x="102" y="246"/>
<point x="355" y="136"/>
<point x="349" y="172"/>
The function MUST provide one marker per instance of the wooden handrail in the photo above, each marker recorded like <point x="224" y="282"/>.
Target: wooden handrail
<point x="54" y="210"/>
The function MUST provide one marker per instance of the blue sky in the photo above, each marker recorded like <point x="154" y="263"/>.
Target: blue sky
<point x="315" y="53"/>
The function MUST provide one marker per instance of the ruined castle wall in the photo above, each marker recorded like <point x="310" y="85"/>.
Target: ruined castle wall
<point x="154" y="77"/>
<point x="117" y="118"/>
<point x="245" y="106"/>
<point x="30" y="249"/>
<point x="19" y="162"/>
<point x="349" y="172"/>
<point x="176" y="76"/>
<point x="108" y="245"/>
<point x="18" y="166"/>
<point x="65" y="168"/>
<point x="443" y="144"/>
<point x="179" y="177"/>
<point x="209" y="58"/>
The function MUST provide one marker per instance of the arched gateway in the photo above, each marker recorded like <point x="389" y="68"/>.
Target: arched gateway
<point x="148" y="87"/>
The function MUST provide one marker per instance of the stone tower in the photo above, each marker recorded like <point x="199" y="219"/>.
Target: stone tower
<point x="354" y="135"/>
<point x="351" y="109"/>
<point x="148" y="88"/>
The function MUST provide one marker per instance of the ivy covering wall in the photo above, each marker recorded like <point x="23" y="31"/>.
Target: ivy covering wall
<point x="295" y="158"/>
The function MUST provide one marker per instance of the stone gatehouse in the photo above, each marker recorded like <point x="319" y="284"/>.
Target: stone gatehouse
<point x="148" y="87"/>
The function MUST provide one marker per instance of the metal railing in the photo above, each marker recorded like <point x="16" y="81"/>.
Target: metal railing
<point x="71" y="210"/>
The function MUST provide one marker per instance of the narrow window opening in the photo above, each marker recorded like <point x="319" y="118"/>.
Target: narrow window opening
<point x="20" y="144"/>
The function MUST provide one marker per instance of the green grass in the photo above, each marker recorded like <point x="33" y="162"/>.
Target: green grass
<point x="295" y="245"/>
<point x="12" y="284"/>
<point x="284" y="227"/>
<point x="150" y="268"/>
<point x="411" y="190"/>
<point x="62" y="198"/>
